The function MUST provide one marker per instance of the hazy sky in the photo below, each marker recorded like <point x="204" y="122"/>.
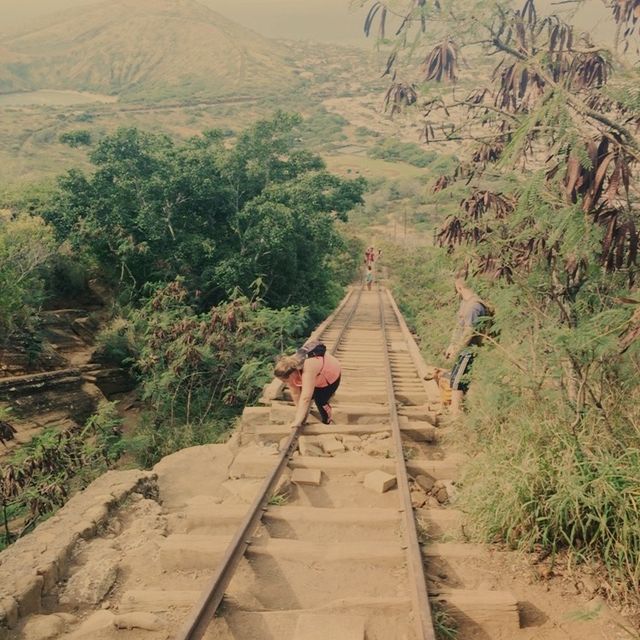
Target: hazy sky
<point x="324" y="20"/>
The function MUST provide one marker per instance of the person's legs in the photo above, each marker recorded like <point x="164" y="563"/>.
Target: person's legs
<point x="460" y="381"/>
<point x="321" y="396"/>
<point x="457" y="398"/>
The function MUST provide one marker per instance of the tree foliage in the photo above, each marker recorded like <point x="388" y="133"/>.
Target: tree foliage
<point x="548" y="231"/>
<point x="194" y="365"/>
<point x="221" y="218"/>
<point x="40" y="475"/>
<point x="26" y="244"/>
<point x="549" y="103"/>
<point x="219" y="255"/>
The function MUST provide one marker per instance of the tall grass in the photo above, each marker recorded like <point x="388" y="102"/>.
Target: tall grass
<point x="553" y="422"/>
<point x="542" y="476"/>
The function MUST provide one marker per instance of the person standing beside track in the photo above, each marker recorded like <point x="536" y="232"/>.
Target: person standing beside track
<point x="369" y="278"/>
<point x="463" y="340"/>
<point x="310" y="374"/>
<point x="369" y="256"/>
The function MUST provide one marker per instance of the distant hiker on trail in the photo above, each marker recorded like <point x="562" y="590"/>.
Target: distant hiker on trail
<point x="369" y="277"/>
<point x="369" y="256"/>
<point x="311" y="374"/>
<point x="463" y="339"/>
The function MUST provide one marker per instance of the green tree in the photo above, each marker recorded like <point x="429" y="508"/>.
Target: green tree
<point x="198" y="369"/>
<point x="77" y="138"/>
<point x="220" y="218"/>
<point x="26" y="244"/>
<point x="548" y="231"/>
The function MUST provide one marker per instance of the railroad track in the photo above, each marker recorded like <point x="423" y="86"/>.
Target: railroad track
<point x="361" y="335"/>
<point x="342" y="557"/>
<point x="302" y="540"/>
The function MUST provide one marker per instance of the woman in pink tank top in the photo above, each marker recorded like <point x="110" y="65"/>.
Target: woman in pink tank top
<point x="310" y="378"/>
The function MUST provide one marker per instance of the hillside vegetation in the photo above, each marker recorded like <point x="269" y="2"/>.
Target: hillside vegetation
<point x="541" y="214"/>
<point x="216" y="257"/>
<point x="144" y="50"/>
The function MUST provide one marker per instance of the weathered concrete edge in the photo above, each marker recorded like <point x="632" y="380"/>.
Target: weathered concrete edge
<point x="30" y="568"/>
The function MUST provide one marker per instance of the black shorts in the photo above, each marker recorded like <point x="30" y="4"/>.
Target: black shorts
<point x="461" y="370"/>
<point x="321" y="396"/>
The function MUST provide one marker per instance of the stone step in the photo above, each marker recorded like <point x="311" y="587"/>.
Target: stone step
<point x="441" y="522"/>
<point x="359" y="413"/>
<point x="187" y="552"/>
<point x="417" y="431"/>
<point x="35" y="381"/>
<point x="306" y="523"/>
<point x="446" y="469"/>
<point x="345" y="413"/>
<point x="495" y="611"/>
<point x="249" y="464"/>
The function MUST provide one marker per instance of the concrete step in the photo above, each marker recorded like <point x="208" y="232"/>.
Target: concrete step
<point x="312" y="626"/>
<point x="249" y="464"/>
<point x="157" y="601"/>
<point x="189" y="552"/>
<point x="384" y="619"/>
<point x="344" y="413"/>
<point x="186" y="552"/>
<point x="417" y="431"/>
<point x="301" y="523"/>
<point x="373" y="397"/>
<point x="491" y="611"/>
<point x="411" y="398"/>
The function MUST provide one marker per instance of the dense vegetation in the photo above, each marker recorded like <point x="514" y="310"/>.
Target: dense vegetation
<point x="42" y="474"/>
<point x="218" y="254"/>
<point x="393" y="150"/>
<point x="260" y="215"/>
<point x="26" y="244"/>
<point x="548" y="232"/>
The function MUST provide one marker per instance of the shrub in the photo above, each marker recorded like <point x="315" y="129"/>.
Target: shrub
<point x="115" y="343"/>
<point x="26" y="244"/>
<point x="41" y="475"/>
<point x="77" y="138"/>
<point x="198" y="370"/>
<point x="393" y="150"/>
<point x="553" y="414"/>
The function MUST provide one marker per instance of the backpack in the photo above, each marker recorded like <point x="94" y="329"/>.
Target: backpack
<point x="485" y="324"/>
<point x="312" y="349"/>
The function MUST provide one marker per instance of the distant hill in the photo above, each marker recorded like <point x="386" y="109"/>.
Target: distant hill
<point x="144" y="50"/>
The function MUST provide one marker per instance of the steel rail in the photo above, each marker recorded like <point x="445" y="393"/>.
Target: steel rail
<point x="420" y="597"/>
<point x="202" y="614"/>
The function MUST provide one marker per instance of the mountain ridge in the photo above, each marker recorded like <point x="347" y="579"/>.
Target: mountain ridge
<point x="144" y="50"/>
